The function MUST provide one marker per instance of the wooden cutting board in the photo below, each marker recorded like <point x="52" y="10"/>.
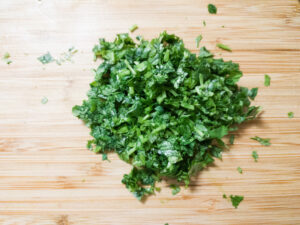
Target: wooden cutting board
<point x="48" y="177"/>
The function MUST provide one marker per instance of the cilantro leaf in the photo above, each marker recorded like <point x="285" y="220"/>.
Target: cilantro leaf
<point x="198" y="39"/>
<point x="231" y="139"/>
<point x="255" y="156"/>
<point x="46" y="58"/>
<point x="224" y="196"/>
<point x="175" y="189"/>
<point x="240" y="170"/>
<point x="263" y="141"/>
<point x="267" y="80"/>
<point x="291" y="115"/>
<point x="224" y="47"/>
<point x="162" y="108"/>
<point x="212" y="9"/>
<point x="236" y="200"/>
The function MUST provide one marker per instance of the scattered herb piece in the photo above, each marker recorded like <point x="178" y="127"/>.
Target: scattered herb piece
<point x="6" y="58"/>
<point x="263" y="141"/>
<point x="224" y="196"/>
<point x="204" y="23"/>
<point x="291" y="115"/>
<point x="166" y="224"/>
<point x="236" y="200"/>
<point x="223" y="26"/>
<point x="44" y="100"/>
<point x="224" y="47"/>
<point x="104" y="157"/>
<point x="162" y="108"/>
<point x="198" y="39"/>
<point x="239" y="169"/>
<point x="267" y="80"/>
<point x="66" y="56"/>
<point x="212" y="9"/>
<point x="231" y="139"/>
<point x="175" y="189"/>
<point x="252" y="93"/>
<point x="45" y="59"/>
<point x="133" y="28"/>
<point x="255" y="156"/>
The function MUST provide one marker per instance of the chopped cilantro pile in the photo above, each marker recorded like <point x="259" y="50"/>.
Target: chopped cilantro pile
<point x="162" y="108"/>
<point x="236" y="200"/>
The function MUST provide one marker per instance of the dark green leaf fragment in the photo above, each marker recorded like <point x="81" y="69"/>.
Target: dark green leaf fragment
<point x="231" y="139"/>
<point x="212" y="9"/>
<point x="267" y="80"/>
<point x="239" y="169"/>
<point x="47" y="58"/>
<point x="224" y="47"/>
<point x="291" y="115"/>
<point x="162" y="108"/>
<point x="263" y="141"/>
<point x="236" y="200"/>
<point x="255" y="156"/>
<point x="224" y="196"/>
<point x="175" y="189"/>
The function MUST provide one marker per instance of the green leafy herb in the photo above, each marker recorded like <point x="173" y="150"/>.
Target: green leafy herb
<point x="133" y="28"/>
<point x="204" y="23"/>
<point x="291" y="115"/>
<point x="198" y="39"/>
<point x="212" y="9"/>
<point x="263" y="141"/>
<point x="224" y="47"/>
<point x="6" y="58"/>
<point x="224" y="196"/>
<point x="231" y="139"/>
<point x="175" y="189"/>
<point x="267" y="80"/>
<point x="44" y="100"/>
<point x="45" y="59"/>
<point x="236" y="200"/>
<point x="162" y="108"/>
<point x="255" y="156"/>
<point x="239" y="169"/>
<point x="104" y="157"/>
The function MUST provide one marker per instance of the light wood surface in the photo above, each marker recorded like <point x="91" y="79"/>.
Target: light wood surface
<point x="47" y="177"/>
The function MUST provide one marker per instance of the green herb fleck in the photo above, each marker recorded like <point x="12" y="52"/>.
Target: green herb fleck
<point x="291" y="115"/>
<point x="66" y="56"/>
<point x="267" y="80"/>
<point x="224" y="196"/>
<point x="255" y="156"/>
<point x="162" y="108"/>
<point x="240" y="170"/>
<point x="175" y="189"/>
<point x="236" y="200"/>
<point x="45" y="59"/>
<point x="263" y="141"/>
<point x="198" y="39"/>
<point x="212" y="9"/>
<point x="204" y="23"/>
<point x="133" y="28"/>
<point x="6" y="58"/>
<point x="104" y="157"/>
<point x="44" y="100"/>
<point x="224" y="47"/>
<point x="231" y="139"/>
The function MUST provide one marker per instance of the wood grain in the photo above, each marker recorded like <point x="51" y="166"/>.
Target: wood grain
<point x="47" y="177"/>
